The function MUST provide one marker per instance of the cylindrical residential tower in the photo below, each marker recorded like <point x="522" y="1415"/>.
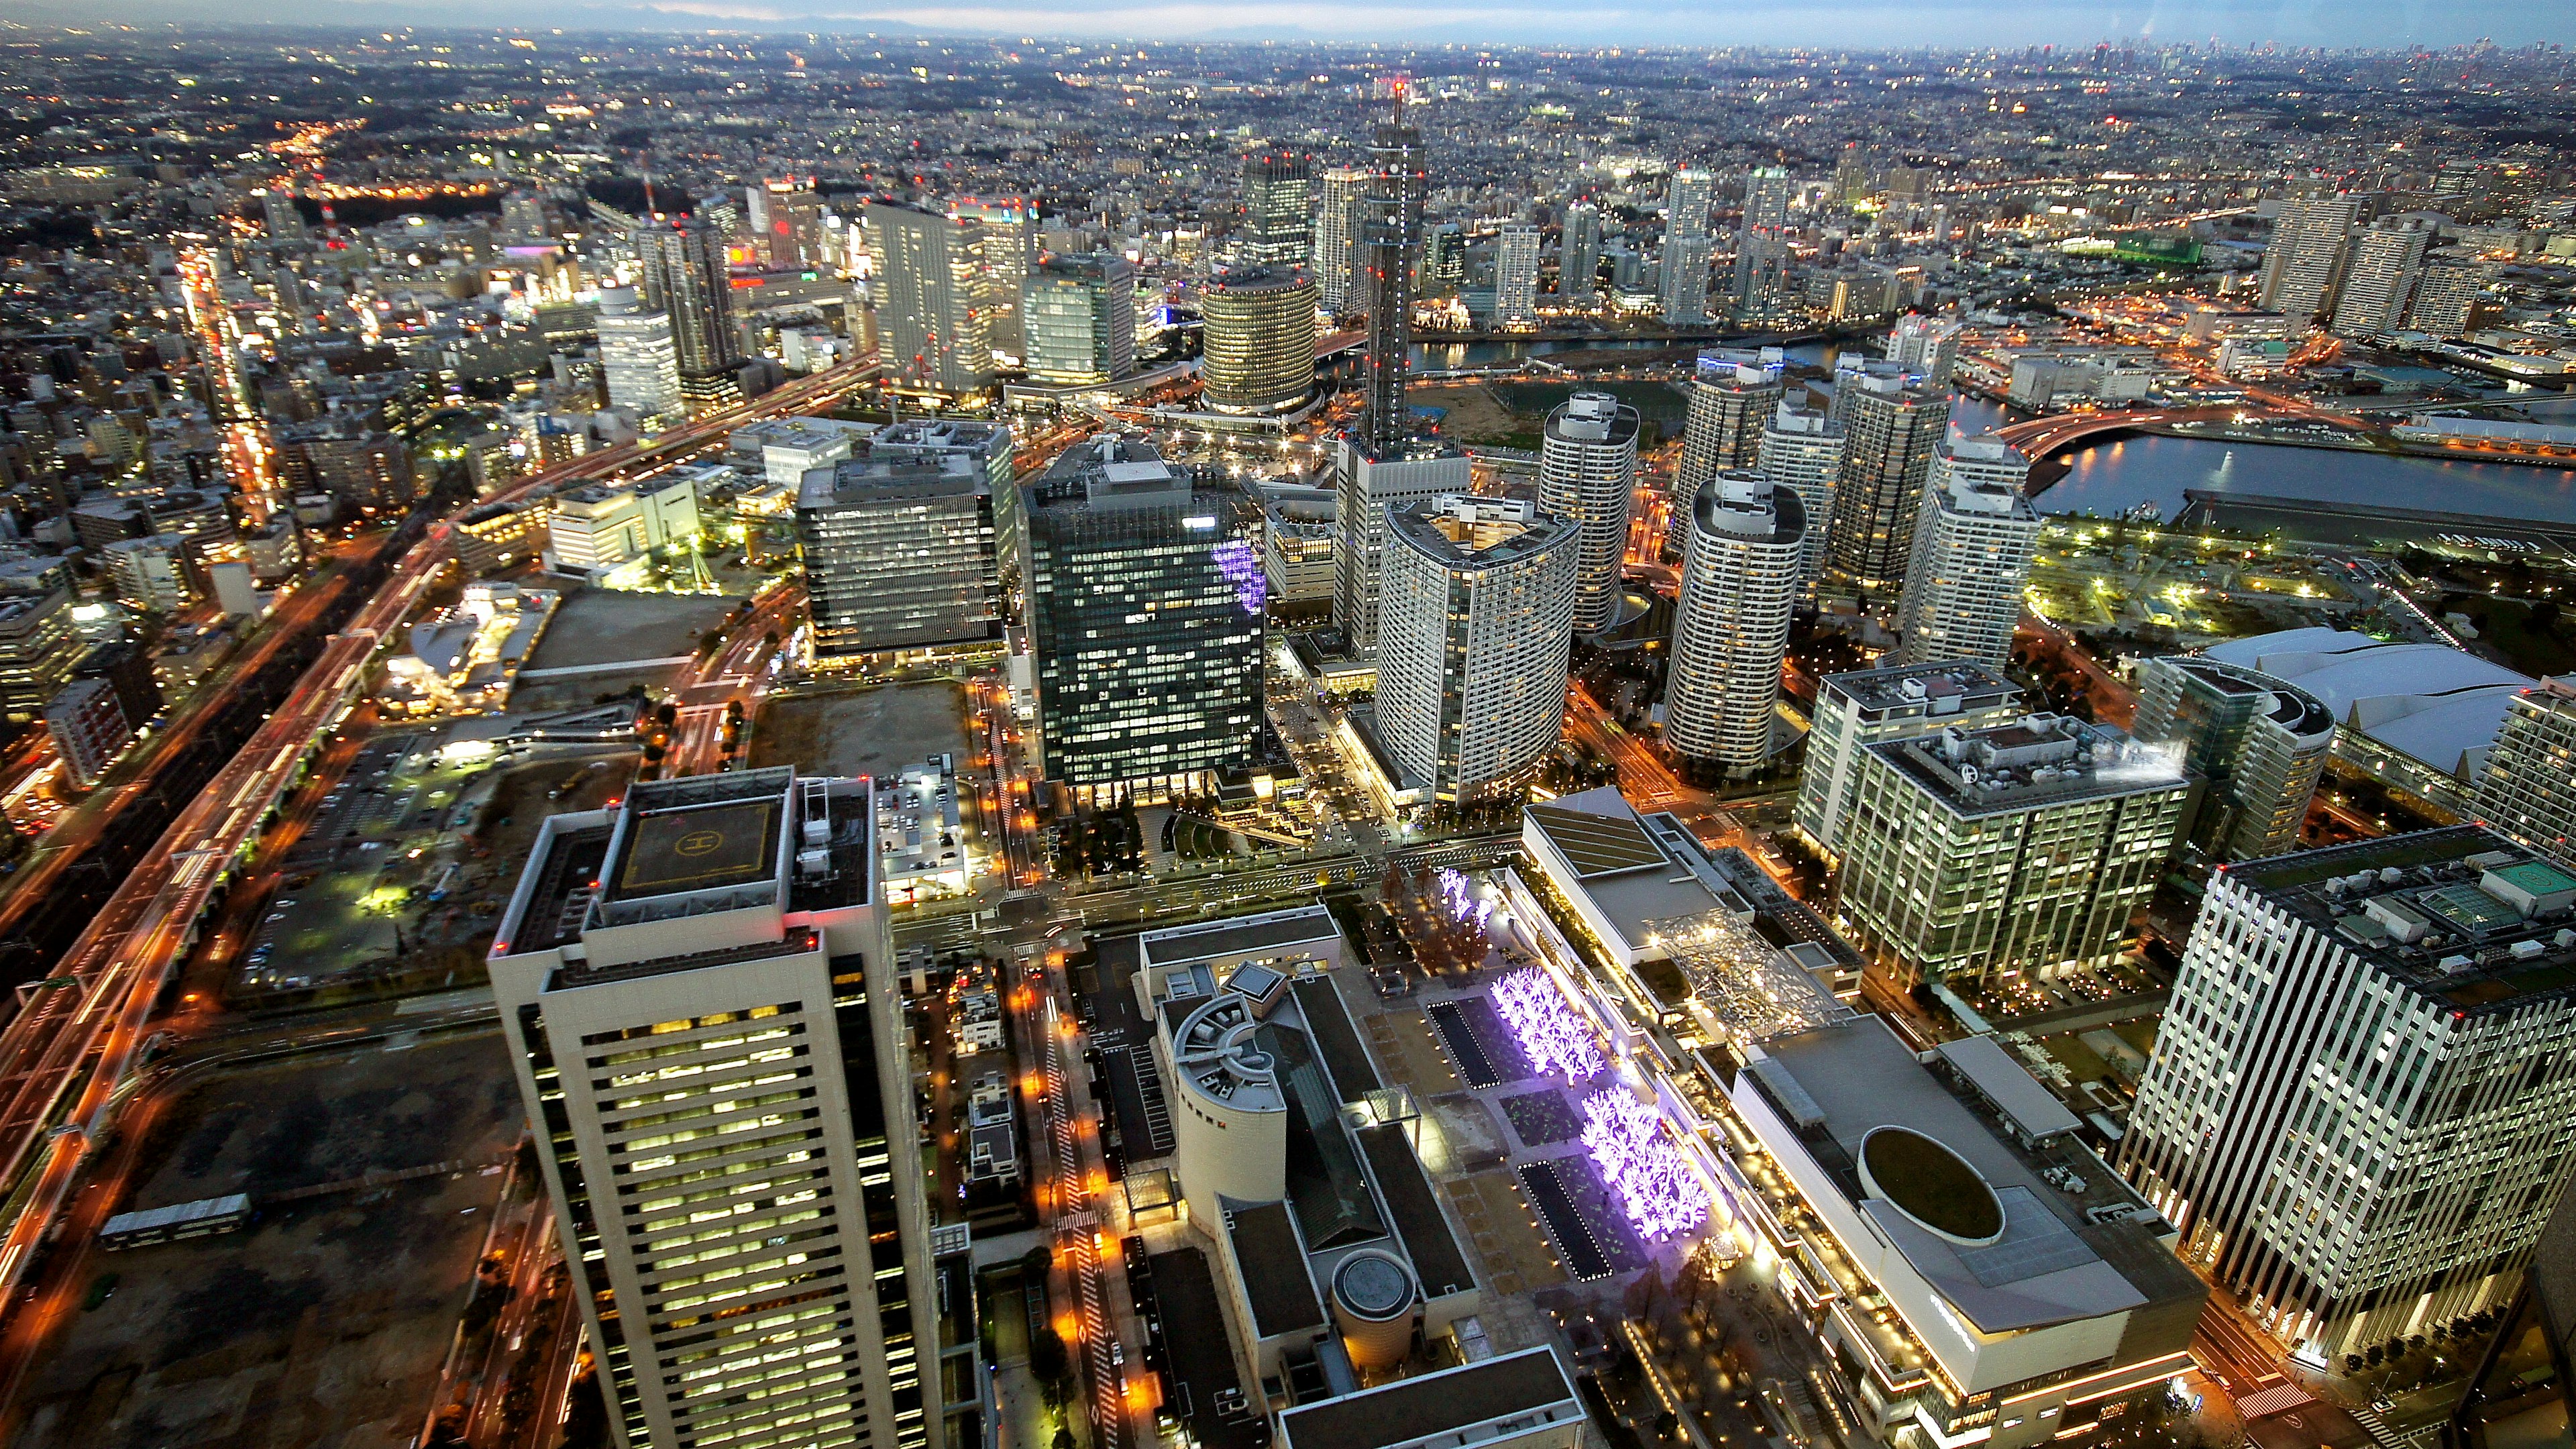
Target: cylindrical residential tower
<point x="1739" y="584"/>
<point x="1587" y="472"/>
<point x="1729" y="404"/>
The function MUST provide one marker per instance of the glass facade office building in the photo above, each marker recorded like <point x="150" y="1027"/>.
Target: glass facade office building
<point x="1145" y="620"/>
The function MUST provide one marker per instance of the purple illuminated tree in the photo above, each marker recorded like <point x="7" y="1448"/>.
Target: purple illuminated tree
<point x="1662" y="1197"/>
<point x="1551" y="1033"/>
<point x="1242" y="568"/>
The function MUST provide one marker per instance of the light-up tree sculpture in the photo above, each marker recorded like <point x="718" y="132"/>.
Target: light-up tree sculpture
<point x="1655" y="1187"/>
<point x="1551" y="1033"/>
<point x="1242" y="568"/>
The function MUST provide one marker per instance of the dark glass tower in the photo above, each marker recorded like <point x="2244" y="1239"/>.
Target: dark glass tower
<point x="1399" y="181"/>
<point x="1145" y="620"/>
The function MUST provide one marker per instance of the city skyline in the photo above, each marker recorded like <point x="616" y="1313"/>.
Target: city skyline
<point x="1853" y="26"/>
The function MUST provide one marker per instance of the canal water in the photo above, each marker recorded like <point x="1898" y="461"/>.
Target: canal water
<point x="2116" y="476"/>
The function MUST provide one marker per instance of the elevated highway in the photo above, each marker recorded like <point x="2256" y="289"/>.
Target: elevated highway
<point x="64" y="1055"/>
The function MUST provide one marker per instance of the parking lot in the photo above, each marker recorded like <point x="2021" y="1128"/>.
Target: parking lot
<point x="324" y="1323"/>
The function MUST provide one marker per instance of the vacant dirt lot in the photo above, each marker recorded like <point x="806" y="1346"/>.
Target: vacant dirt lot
<point x="1477" y="416"/>
<point x="323" y="1326"/>
<point x="869" y="732"/>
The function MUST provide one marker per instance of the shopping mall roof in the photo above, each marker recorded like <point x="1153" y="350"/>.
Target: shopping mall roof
<point x="2433" y="703"/>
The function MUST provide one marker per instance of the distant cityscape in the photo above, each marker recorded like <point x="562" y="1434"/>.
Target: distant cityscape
<point x="777" y="741"/>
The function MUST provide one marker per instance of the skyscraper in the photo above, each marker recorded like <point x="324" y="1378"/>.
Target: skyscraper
<point x="2020" y="848"/>
<point x="1587" y="475"/>
<point x="1890" y="432"/>
<point x="1078" y="319"/>
<point x="699" y="996"/>
<point x="1366" y="488"/>
<point x="900" y="556"/>
<point x="2379" y="281"/>
<point x="2358" y="1106"/>
<point x="1578" y="267"/>
<point x="1340" y="219"/>
<point x="1768" y="190"/>
<point x="2528" y="786"/>
<point x="1479" y="618"/>
<point x="1381" y="463"/>
<point x="685" y="278"/>
<point x="1970" y="556"/>
<point x="1739" y="571"/>
<point x="1259" y="353"/>
<point x="1687" y="246"/>
<point x="1516" y="274"/>
<point x="1145" y="617"/>
<point x="2450" y="294"/>
<point x="785" y="217"/>
<point x="639" y="359"/>
<point x="1399" y="179"/>
<point x="1009" y="228"/>
<point x="931" y="321"/>
<point x="2260" y="742"/>
<point x="1802" y="451"/>
<point x="1278" y="200"/>
<point x="2305" y="257"/>
<point x="1729" y="403"/>
<point x="1761" y="282"/>
<point x="1864" y="707"/>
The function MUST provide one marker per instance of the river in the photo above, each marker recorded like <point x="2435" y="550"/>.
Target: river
<point x="2116" y="476"/>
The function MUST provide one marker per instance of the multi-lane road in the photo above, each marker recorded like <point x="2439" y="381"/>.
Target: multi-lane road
<point x="62" y="1057"/>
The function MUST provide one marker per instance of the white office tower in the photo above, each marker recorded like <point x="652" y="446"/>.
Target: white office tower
<point x="1587" y="472"/>
<point x="1516" y="274"/>
<point x="1578" y="264"/>
<point x="1687" y="247"/>
<point x="1366" y="488"/>
<point x="638" y="358"/>
<point x="1802" y="451"/>
<point x="933" y="327"/>
<point x="1729" y="403"/>
<point x="1478" y="621"/>
<point x="2358" y="1107"/>
<point x="2528" y="787"/>
<point x="1007" y="227"/>
<point x="1338" y="217"/>
<point x="699" y="994"/>
<point x="1972" y="548"/>
<point x="1739" y="586"/>
<point x="2379" y="281"/>
<point x="1926" y="346"/>
<point x="2300" y="266"/>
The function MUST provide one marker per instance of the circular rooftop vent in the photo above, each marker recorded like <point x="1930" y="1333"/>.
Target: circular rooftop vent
<point x="1931" y="1184"/>
<point x="1373" y="1286"/>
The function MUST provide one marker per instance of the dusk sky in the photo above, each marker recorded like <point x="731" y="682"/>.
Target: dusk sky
<point x="1855" y="23"/>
